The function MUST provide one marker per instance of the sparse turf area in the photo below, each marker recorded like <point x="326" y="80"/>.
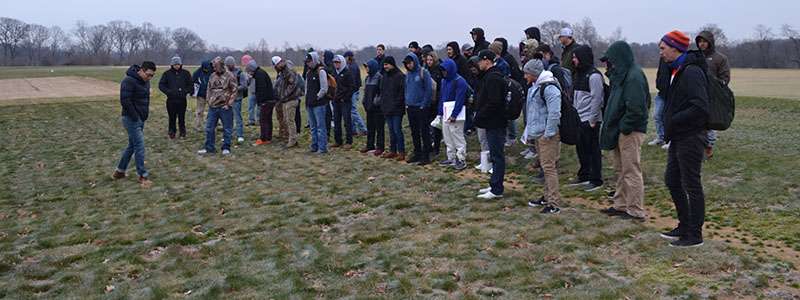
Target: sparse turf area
<point x="266" y="223"/>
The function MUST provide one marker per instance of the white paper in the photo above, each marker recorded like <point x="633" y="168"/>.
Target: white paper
<point x="196" y="89"/>
<point x="448" y="111"/>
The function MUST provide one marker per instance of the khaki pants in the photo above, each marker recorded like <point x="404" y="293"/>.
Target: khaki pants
<point x="629" y="196"/>
<point x="279" y="111"/>
<point x="201" y="109"/>
<point x="454" y="140"/>
<point x="548" y="157"/>
<point x="288" y="121"/>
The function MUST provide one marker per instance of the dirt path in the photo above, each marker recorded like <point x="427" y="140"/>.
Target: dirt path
<point x="55" y="87"/>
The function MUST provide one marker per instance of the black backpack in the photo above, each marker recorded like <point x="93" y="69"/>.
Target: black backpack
<point x="515" y="97"/>
<point x="570" y="124"/>
<point x="721" y="104"/>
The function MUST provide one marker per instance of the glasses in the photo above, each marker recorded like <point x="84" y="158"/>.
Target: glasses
<point x="153" y="75"/>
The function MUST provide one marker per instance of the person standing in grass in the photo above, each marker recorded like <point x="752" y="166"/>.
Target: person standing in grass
<point x="200" y="79"/>
<point x="176" y="83"/>
<point x="372" y="105"/>
<point x="685" y="116"/>
<point x="588" y="100"/>
<point x="623" y="129"/>
<point x="359" y="127"/>
<point x="345" y="86"/>
<point x="418" y="93"/>
<point x="241" y="92"/>
<point x="134" y="96"/>
<point x="316" y="102"/>
<point x="544" y="115"/>
<point x="221" y="97"/>
<point x="288" y="95"/>
<point x="454" y="89"/>
<point x="392" y="106"/>
<point x="719" y="67"/>
<point x="490" y="103"/>
<point x="265" y="97"/>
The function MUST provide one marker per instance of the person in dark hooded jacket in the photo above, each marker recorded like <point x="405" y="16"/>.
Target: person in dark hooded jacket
<point x="345" y="87"/>
<point x="393" y="107"/>
<point x="718" y="67"/>
<point x="418" y="93"/>
<point x="317" y="102"/>
<point x="200" y="79"/>
<point x="371" y="102"/>
<point x="176" y="83"/>
<point x="134" y="96"/>
<point x="491" y="97"/>
<point x="685" y="115"/>
<point x="513" y="65"/>
<point x="588" y="100"/>
<point x="432" y="63"/>
<point x="478" y="36"/>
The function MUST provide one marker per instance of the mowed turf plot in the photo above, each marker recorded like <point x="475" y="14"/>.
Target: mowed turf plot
<point x="266" y="222"/>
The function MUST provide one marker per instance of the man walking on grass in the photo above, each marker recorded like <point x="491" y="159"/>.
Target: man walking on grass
<point x="134" y="96"/>
<point x="221" y="96"/>
<point x="176" y="83"/>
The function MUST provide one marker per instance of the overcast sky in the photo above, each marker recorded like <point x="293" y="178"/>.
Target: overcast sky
<point x="330" y="24"/>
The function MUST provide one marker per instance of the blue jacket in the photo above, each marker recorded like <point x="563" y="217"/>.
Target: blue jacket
<point x="418" y="92"/>
<point x="544" y="115"/>
<point x="201" y="78"/>
<point x="505" y="69"/>
<point x="452" y="81"/>
<point x="134" y="95"/>
<point x="355" y="70"/>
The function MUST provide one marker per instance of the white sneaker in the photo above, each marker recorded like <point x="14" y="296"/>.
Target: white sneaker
<point x="525" y="152"/>
<point x="489" y="195"/>
<point x="202" y="151"/>
<point x="478" y="167"/>
<point x="240" y="140"/>
<point x="225" y="152"/>
<point x="531" y="155"/>
<point x="483" y="191"/>
<point x="656" y="142"/>
<point x="665" y="146"/>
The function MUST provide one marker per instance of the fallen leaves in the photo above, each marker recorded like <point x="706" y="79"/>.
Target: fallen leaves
<point x="552" y="259"/>
<point x="221" y="211"/>
<point x="109" y="288"/>
<point x="354" y="274"/>
<point x="286" y="246"/>
<point x="456" y="277"/>
<point x="546" y="296"/>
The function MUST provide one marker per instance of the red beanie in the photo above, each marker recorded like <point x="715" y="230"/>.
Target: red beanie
<point x="677" y="39"/>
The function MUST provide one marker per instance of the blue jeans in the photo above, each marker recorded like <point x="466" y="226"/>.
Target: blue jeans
<point x="341" y="111"/>
<point x="226" y="116"/>
<point x="712" y="138"/>
<point x="496" y="140"/>
<point x="659" y="102"/>
<point x="252" y="107"/>
<point x="237" y="115"/>
<point x="319" y="134"/>
<point x="511" y="127"/>
<point x="396" y="141"/>
<point x="135" y="146"/>
<point x="358" y="122"/>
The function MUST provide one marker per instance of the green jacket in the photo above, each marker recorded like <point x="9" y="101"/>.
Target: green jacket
<point x="566" y="57"/>
<point x="628" y="104"/>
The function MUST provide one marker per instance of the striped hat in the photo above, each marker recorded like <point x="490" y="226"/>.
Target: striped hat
<point x="677" y="40"/>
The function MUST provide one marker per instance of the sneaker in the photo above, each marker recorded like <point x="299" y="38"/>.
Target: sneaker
<point x="378" y="152"/>
<point x="183" y="137"/>
<point x="611" y="194"/>
<point x="118" y="175"/>
<point x="531" y="155"/>
<point x="413" y="159"/>
<point x="577" y="181"/>
<point x="537" y="179"/>
<point x="674" y="234"/>
<point x="525" y="152"/>
<point x="424" y="161"/>
<point x="540" y="202"/>
<point x="202" y="151"/>
<point x="240" y="140"/>
<point x="549" y="209"/>
<point x="364" y="150"/>
<point x="460" y="164"/>
<point x="446" y="163"/>
<point x="145" y="181"/>
<point x="388" y="154"/>
<point x="260" y="142"/>
<point x="509" y="142"/>
<point x="171" y="137"/>
<point x="337" y="145"/>
<point x="434" y="154"/>
<point x="591" y="187"/>
<point x="485" y="190"/>
<point x="627" y="216"/>
<point x="539" y="174"/>
<point x="665" y="146"/>
<point x="226" y="152"/>
<point x="489" y="195"/>
<point x="291" y="145"/>
<point x="686" y="242"/>
<point x="656" y="142"/>
<point x="611" y="211"/>
<point x="348" y="146"/>
<point x="400" y="156"/>
<point x="470" y="132"/>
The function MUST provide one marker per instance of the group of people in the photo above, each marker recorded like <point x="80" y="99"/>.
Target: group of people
<point x="468" y="92"/>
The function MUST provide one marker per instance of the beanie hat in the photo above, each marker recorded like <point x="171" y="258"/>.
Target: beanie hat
<point x="534" y="67"/>
<point x="246" y="59"/>
<point x="275" y="60"/>
<point x="390" y="60"/>
<point x="496" y="47"/>
<point x="348" y="53"/>
<point x="413" y="44"/>
<point x="229" y="61"/>
<point x="176" y="60"/>
<point x="486" y="54"/>
<point x="677" y="40"/>
<point x="251" y="67"/>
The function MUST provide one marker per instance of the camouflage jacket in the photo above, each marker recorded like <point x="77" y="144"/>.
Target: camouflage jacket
<point x="288" y="85"/>
<point x="221" y="90"/>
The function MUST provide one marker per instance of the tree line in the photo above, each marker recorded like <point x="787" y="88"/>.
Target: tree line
<point x="121" y="43"/>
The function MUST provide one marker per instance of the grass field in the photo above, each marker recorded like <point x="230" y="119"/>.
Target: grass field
<point x="266" y="222"/>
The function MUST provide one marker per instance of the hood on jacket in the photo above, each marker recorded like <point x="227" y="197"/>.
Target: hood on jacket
<point x="314" y="59"/>
<point x="342" y="65"/>
<point x="696" y="57"/>
<point x="435" y="61"/>
<point x="621" y="57"/>
<point x="505" y="46"/>
<point x="373" y="67"/>
<point x="289" y="64"/>
<point x="219" y="65"/>
<point x="390" y="60"/>
<point x="133" y="71"/>
<point x="545" y="77"/>
<point x="530" y="47"/>
<point x="708" y="36"/>
<point x="328" y="58"/>
<point x="534" y="33"/>
<point x="585" y="58"/>
<point x="206" y="64"/>
<point x="251" y="67"/>
<point x="456" y="49"/>
<point x="479" y="33"/>
<point x="416" y="61"/>
<point x="450" y="67"/>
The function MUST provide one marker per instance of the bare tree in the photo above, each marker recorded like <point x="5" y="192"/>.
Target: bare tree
<point x="133" y="41"/>
<point x="187" y="42"/>
<point x="35" y="41"/>
<point x="81" y="33"/>
<point x="585" y="33"/>
<point x="550" y="30"/>
<point x="763" y="41"/>
<point x="155" y="41"/>
<point x="99" y="39"/>
<point x="58" y="39"/>
<point x="794" y="40"/>
<point x="118" y="33"/>
<point x="12" y="33"/>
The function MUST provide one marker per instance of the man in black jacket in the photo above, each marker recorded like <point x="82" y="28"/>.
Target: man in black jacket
<point x="342" y="105"/>
<point x="393" y="108"/>
<point x="490" y="104"/>
<point x="684" y="117"/>
<point x="134" y="96"/>
<point x="479" y="37"/>
<point x="176" y="83"/>
<point x="265" y="97"/>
